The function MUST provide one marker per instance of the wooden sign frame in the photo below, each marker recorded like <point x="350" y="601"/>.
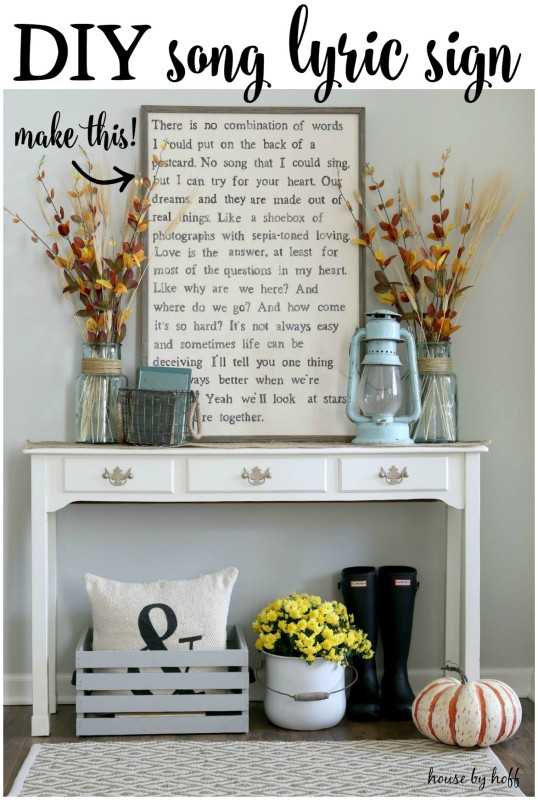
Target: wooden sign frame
<point x="257" y="288"/>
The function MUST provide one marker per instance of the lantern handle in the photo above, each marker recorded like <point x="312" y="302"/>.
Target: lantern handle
<point x="354" y="351"/>
<point x="408" y="337"/>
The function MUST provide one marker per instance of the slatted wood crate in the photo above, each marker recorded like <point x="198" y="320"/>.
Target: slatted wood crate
<point x="219" y="704"/>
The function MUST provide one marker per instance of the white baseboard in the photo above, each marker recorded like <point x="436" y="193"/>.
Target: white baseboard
<point x="531" y="692"/>
<point x="18" y="688"/>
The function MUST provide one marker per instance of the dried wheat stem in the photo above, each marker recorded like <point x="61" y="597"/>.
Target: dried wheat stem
<point x="420" y="196"/>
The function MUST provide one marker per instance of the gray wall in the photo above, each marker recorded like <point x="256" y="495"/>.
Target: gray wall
<point x="288" y="546"/>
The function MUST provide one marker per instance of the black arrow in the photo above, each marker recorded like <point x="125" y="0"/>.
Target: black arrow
<point x="124" y="177"/>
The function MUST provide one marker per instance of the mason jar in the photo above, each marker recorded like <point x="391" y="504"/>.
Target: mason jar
<point x="96" y="393"/>
<point x="438" y="421"/>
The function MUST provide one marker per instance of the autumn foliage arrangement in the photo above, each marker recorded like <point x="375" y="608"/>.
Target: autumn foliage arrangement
<point x="426" y="273"/>
<point x="99" y="274"/>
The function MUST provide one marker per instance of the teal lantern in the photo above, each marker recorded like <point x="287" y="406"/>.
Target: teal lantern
<point x="380" y="392"/>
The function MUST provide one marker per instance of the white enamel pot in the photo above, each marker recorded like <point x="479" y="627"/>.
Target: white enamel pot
<point x="304" y="696"/>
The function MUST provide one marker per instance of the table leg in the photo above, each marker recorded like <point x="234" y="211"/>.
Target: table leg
<point x="40" y="598"/>
<point x="454" y="588"/>
<point x="53" y="693"/>
<point x="470" y="657"/>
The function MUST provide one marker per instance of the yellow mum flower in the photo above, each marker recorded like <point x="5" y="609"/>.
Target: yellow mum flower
<point x="306" y="627"/>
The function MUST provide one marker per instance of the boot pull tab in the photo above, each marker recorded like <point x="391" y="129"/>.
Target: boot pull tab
<point x="417" y="587"/>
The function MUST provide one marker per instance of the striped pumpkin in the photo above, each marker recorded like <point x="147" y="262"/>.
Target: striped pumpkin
<point x="467" y="713"/>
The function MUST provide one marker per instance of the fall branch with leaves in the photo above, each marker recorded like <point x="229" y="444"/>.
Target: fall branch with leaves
<point x="100" y="278"/>
<point x="427" y="277"/>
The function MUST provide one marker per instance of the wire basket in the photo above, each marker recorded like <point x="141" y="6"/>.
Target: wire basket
<point x="157" y="418"/>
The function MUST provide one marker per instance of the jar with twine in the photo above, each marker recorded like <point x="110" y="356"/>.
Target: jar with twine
<point x="438" y="421"/>
<point x="96" y="393"/>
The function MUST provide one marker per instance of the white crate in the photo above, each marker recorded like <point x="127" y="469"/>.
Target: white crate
<point x="220" y="704"/>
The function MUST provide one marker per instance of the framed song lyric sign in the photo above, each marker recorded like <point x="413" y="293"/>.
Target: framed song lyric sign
<point x="257" y="288"/>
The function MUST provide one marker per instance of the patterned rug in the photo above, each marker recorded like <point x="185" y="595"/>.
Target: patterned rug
<point x="252" y="768"/>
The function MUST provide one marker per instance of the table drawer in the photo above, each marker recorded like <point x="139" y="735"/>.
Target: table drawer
<point x="381" y="473"/>
<point x="118" y="475"/>
<point x="256" y="475"/>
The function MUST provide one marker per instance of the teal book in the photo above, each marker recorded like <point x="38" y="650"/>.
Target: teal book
<point x="176" y="379"/>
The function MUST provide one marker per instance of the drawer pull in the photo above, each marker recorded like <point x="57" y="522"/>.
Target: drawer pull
<point x="117" y="477"/>
<point x="256" y="477"/>
<point x="394" y="475"/>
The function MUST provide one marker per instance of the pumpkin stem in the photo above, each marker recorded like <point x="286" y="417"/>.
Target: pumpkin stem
<point x="454" y="668"/>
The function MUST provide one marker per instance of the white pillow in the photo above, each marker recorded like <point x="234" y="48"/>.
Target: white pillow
<point x="159" y="615"/>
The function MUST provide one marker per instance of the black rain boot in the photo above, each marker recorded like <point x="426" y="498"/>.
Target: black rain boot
<point x="359" y="589"/>
<point x="397" y="589"/>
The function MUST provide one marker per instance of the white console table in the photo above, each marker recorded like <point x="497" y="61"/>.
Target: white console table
<point x="64" y="474"/>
